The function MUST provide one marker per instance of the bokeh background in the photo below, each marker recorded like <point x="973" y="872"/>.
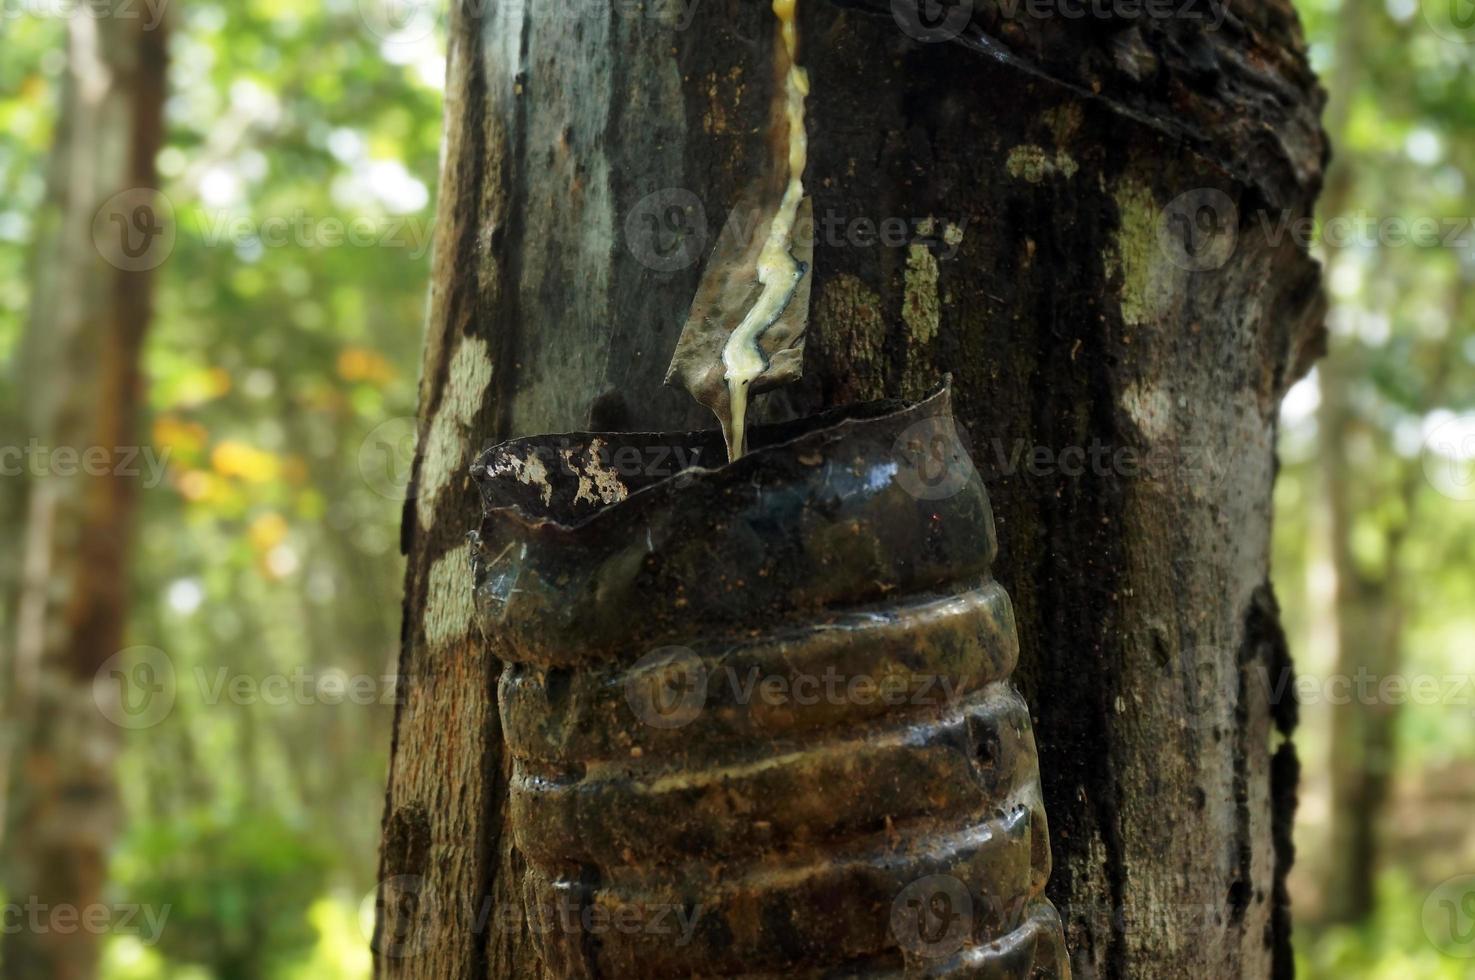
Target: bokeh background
<point x="281" y="370"/>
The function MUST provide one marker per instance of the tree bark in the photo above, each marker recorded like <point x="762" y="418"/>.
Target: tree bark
<point x="78" y="375"/>
<point x="1120" y="384"/>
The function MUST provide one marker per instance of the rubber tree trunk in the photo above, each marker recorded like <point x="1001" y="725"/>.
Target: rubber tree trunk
<point x="78" y="378"/>
<point x="1119" y="353"/>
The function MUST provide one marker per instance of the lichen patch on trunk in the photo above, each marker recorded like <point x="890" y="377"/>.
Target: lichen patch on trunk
<point x="448" y="603"/>
<point x="1151" y="408"/>
<point x="446" y="449"/>
<point x="921" y="307"/>
<point x="1034" y="163"/>
<point x="1148" y="281"/>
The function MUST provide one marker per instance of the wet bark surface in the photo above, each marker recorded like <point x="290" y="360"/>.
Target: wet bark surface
<point x="1008" y="206"/>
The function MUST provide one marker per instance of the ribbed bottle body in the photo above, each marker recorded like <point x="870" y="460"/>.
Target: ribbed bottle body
<point x="759" y="716"/>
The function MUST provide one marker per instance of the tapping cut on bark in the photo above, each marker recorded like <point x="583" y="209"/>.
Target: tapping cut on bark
<point x="729" y="290"/>
<point x="745" y="333"/>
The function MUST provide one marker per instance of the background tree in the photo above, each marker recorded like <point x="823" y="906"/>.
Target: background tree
<point x="1049" y="259"/>
<point x="1398" y="366"/>
<point x="78" y="378"/>
<point x="299" y="152"/>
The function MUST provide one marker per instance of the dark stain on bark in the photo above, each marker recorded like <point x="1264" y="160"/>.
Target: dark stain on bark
<point x="1262" y="628"/>
<point x="406" y="841"/>
<point x="1078" y="586"/>
<point x="1241" y="93"/>
<point x="1245" y="742"/>
<point x="1285" y="777"/>
<point x="1263" y="631"/>
<point x="491" y="416"/>
<point x="504" y="319"/>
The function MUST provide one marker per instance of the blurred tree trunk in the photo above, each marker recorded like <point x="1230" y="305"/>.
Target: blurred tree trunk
<point x="1366" y="621"/>
<point x="80" y="389"/>
<point x="1368" y="641"/>
<point x="1119" y="353"/>
<point x="1369" y="602"/>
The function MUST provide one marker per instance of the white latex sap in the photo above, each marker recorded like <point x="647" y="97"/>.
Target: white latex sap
<point x="778" y="272"/>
